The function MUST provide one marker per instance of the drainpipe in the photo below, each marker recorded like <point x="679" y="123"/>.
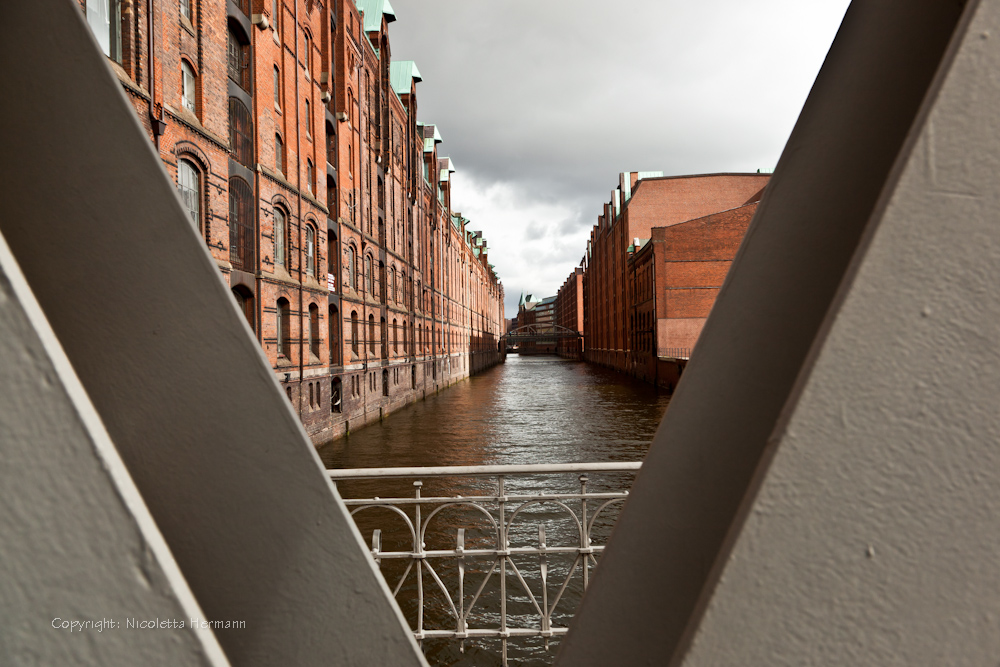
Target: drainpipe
<point x="298" y="187"/>
<point x="258" y="281"/>
<point x="155" y="110"/>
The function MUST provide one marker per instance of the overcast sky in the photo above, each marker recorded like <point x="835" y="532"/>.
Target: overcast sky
<point x="542" y="103"/>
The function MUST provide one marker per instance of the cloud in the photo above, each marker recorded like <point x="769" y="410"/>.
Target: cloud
<point x="542" y="104"/>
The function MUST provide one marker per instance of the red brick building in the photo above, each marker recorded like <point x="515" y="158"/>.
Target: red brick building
<point x="674" y="279"/>
<point x="569" y="314"/>
<point x="643" y="301"/>
<point x="293" y="139"/>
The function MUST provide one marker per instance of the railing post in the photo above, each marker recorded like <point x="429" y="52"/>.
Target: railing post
<point x="462" y="626"/>
<point x="418" y="554"/>
<point x="543" y="567"/>
<point x="503" y="554"/>
<point x="585" y="549"/>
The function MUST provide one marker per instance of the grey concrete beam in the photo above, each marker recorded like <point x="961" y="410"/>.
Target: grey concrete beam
<point x="184" y="390"/>
<point x="717" y="438"/>
<point x="873" y="537"/>
<point x="82" y="564"/>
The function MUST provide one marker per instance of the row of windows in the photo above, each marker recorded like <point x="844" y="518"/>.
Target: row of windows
<point x="394" y="290"/>
<point x="241" y="221"/>
<point x="284" y="323"/>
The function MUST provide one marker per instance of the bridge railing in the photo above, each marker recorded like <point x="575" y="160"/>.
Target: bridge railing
<point x="521" y="550"/>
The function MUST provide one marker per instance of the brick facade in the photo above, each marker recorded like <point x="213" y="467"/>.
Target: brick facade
<point x="294" y="142"/>
<point x="654" y="264"/>
<point x="569" y="314"/>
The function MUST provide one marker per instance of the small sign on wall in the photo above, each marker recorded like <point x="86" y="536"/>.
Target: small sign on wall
<point x="331" y="282"/>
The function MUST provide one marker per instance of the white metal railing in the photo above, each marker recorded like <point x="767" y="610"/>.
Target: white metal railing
<point x="505" y="500"/>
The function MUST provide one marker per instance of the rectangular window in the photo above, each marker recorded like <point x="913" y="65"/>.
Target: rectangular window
<point x="105" y="19"/>
<point x="308" y="119"/>
<point x="186" y="9"/>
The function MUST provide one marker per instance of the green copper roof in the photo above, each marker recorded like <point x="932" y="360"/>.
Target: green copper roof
<point x="402" y="74"/>
<point x="374" y="10"/>
<point x="428" y="145"/>
<point x="437" y="135"/>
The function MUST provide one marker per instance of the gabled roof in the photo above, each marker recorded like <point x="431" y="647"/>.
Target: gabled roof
<point x="374" y="11"/>
<point x="402" y="74"/>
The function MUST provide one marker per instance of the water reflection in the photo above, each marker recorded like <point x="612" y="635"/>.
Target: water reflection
<point x="528" y="410"/>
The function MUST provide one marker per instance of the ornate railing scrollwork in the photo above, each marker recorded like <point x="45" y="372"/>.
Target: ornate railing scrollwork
<point x="504" y="502"/>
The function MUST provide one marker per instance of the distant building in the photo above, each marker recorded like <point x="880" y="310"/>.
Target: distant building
<point x="675" y="278"/>
<point x="569" y="314"/>
<point x="542" y="314"/>
<point x="654" y="263"/>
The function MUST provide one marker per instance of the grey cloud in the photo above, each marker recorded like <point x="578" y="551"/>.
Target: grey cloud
<point x="555" y="98"/>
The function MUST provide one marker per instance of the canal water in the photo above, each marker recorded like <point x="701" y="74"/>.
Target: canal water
<point x="532" y="409"/>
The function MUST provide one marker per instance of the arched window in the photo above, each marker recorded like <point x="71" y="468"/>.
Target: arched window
<point x="405" y="349"/>
<point x="395" y="336"/>
<point x="244" y="299"/>
<point x="350" y="159"/>
<point x="369" y="282"/>
<point x="311" y="399"/>
<point x="308" y="119"/>
<point x="310" y="250"/>
<point x="105" y="19"/>
<point x="314" y="330"/>
<point x="241" y="132"/>
<point x="189" y="99"/>
<point x="384" y="330"/>
<point x="331" y="258"/>
<point x="277" y="88"/>
<point x="280" y="238"/>
<point x="385" y="382"/>
<point x="307" y="44"/>
<point x="284" y="328"/>
<point x="371" y="334"/>
<point x="241" y="225"/>
<point x="336" y="396"/>
<point x="189" y="185"/>
<point x="354" y="332"/>
<point x="335" y="342"/>
<point x="279" y="154"/>
<point x="352" y="274"/>
<point x="238" y="60"/>
<point x="331" y="144"/>
<point x="391" y="290"/>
